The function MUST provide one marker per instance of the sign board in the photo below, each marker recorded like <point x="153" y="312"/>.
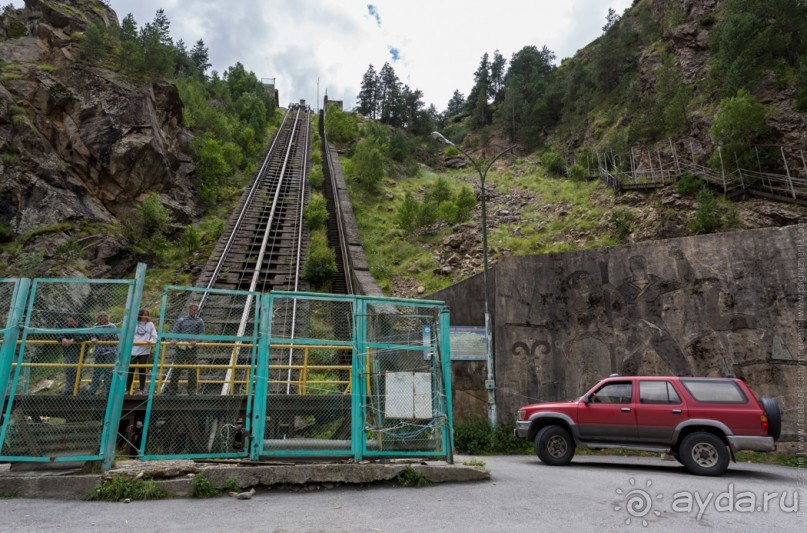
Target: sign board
<point x="468" y="343"/>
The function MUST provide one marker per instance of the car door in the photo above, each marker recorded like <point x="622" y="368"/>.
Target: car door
<point x="658" y="411"/>
<point x="607" y="414"/>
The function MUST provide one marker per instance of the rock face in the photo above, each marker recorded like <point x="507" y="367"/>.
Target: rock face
<point x="713" y="305"/>
<point x="80" y="143"/>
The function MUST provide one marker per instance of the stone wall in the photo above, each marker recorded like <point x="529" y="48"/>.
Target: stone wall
<point x="709" y="305"/>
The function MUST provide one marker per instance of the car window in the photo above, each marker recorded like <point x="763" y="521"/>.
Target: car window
<point x="613" y="393"/>
<point x="657" y="392"/>
<point x="713" y="391"/>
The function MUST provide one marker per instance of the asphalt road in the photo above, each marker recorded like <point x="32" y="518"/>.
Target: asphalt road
<point x="594" y="493"/>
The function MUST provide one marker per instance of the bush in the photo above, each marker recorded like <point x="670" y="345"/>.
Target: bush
<point x="400" y="147"/>
<point x="340" y="127"/>
<point x="576" y="172"/>
<point x="153" y="217"/>
<point x="408" y="213"/>
<point x="368" y="164"/>
<point x="688" y="184"/>
<point x="119" y="488"/>
<point x="410" y="477"/>
<point x="201" y="487"/>
<point x="553" y="162"/>
<point x="316" y="212"/>
<point x="316" y="177"/>
<point x="621" y="219"/>
<point x="707" y="216"/>
<point x="475" y="437"/>
<point x="320" y="264"/>
<point x="739" y="123"/>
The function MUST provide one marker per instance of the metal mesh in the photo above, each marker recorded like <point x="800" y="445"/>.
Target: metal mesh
<point x="202" y="374"/>
<point x="6" y="299"/>
<point x="405" y="404"/>
<point x="308" y="405"/>
<point x="63" y="373"/>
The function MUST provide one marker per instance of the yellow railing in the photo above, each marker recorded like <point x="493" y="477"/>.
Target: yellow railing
<point x="303" y="382"/>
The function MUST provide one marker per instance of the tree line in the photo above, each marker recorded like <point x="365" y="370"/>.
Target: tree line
<point x="753" y="45"/>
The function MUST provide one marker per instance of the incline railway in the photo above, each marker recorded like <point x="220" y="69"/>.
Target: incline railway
<point x="262" y="249"/>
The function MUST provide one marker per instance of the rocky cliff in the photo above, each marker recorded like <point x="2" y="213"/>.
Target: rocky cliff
<point x="80" y="145"/>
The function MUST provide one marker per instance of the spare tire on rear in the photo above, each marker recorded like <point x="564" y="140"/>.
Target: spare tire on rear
<point x="774" y="417"/>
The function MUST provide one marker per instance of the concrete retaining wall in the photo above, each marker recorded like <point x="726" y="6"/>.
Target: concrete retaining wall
<point x="708" y="305"/>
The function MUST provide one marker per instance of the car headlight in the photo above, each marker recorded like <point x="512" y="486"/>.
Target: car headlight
<point x="521" y="415"/>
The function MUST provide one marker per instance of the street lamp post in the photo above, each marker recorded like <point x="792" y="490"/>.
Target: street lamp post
<point x="490" y="382"/>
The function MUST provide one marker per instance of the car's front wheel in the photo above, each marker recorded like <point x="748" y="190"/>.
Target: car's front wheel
<point x="704" y="454"/>
<point x="554" y="446"/>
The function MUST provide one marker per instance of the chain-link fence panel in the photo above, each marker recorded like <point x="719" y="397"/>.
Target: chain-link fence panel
<point x="63" y="372"/>
<point x="310" y="369"/>
<point x="7" y="292"/>
<point x="202" y="374"/>
<point x="406" y="409"/>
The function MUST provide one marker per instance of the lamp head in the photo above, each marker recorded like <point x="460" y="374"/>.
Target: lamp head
<point x="441" y="138"/>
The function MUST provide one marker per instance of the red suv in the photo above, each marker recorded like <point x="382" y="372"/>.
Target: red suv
<point x="700" y="421"/>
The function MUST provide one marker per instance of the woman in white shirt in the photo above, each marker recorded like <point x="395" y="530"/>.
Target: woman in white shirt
<point x="144" y="333"/>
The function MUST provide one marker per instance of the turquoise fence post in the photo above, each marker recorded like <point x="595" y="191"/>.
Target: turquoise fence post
<point x="115" y="403"/>
<point x="12" y="332"/>
<point x="260" y="378"/>
<point x="358" y="440"/>
<point x="445" y="360"/>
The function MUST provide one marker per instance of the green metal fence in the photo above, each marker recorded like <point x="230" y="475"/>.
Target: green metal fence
<point x="407" y="410"/>
<point x="226" y="374"/>
<point x="355" y="376"/>
<point x="199" y="400"/>
<point x="64" y="394"/>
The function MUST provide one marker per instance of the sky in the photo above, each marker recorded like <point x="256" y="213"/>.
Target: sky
<point x="312" y="47"/>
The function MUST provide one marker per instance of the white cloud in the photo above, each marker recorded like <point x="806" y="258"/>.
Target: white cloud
<point x="439" y="42"/>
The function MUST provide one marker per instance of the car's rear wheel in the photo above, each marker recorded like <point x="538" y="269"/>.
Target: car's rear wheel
<point x="704" y="454"/>
<point x="554" y="446"/>
<point x="774" y="417"/>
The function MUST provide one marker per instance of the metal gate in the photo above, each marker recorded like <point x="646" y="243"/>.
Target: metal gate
<point x="354" y="376"/>
<point x="65" y="382"/>
<point x="203" y="377"/>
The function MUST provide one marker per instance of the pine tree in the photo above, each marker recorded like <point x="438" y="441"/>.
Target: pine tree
<point x="390" y="96"/>
<point x="456" y="105"/>
<point x="200" y="59"/>
<point x="478" y="99"/>
<point x="368" y="98"/>
<point x="497" y="76"/>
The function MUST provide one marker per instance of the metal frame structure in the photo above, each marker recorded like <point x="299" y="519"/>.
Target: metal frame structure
<point x="365" y="338"/>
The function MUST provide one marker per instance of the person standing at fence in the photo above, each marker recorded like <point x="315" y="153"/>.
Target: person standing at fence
<point x="71" y="348"/>
<point x="145" y="332"/>
<point x="105" y="353"/>
<point x="186" y="350"/>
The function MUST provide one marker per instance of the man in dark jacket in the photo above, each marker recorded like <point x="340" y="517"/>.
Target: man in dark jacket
<point x="71" y="348"/>
<point x="186" y="350"/>
<point x="104" y="355"/>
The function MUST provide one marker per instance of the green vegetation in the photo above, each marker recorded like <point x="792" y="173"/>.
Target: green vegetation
<point x="474" y="462"/>
<point x="475" y="437"/>
<point x="201" y="487"/>
<point x="315" y="214"/>
<point x="410" y="477"/>
<point x="739" y="124"/>
<point x="621" y="220"/>
<point x="320" y="262"/>
<point x="120" y="488"/>
<point x="440" y="204"/>
<point x="708" y="216"/>
<point x="688" y="184"/>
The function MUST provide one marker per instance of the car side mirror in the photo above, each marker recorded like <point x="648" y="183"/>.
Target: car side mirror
<point x="586" y="398"/>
